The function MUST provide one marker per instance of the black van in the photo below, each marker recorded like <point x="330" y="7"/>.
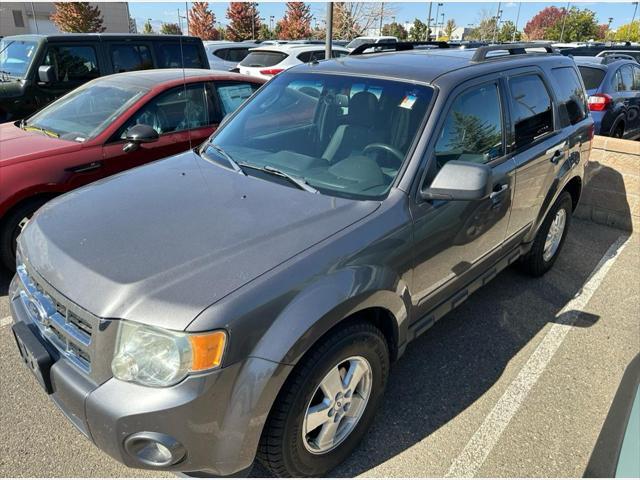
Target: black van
<point x="37" y="69"/>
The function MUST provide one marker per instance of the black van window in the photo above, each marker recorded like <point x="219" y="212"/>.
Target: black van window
<point x="73" y="63"/>
<point x="531" y="109"/>
<point x="572" y="106"/>
<point x="129" y="57"/>
<point x="170" y="55"/>
<point x="472" y="130"/>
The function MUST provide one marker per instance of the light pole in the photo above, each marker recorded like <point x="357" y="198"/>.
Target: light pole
<point x="271" y="19"/>
<point x="436" y="19"/>
<point x="515" y="30"/>
<point x="329" y="31"/>
<point x="635" y="10"/>
<point x="429" y="21"/>
<point x="495" y="25"/>
<point x="441" y="24"/>
<point x="564" y="21"/>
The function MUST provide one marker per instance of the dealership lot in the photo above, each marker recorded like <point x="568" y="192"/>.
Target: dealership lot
<point x="503" y="386"/>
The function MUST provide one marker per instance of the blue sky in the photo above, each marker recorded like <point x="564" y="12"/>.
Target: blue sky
<point x="464" y="13"/>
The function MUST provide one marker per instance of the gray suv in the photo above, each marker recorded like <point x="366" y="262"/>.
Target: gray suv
<point x="246" y="298"/>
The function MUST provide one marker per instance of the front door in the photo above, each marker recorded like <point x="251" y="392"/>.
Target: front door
<point x="453" y="238"/>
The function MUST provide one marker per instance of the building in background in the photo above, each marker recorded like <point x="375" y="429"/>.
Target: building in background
<point x="17" y="18"/>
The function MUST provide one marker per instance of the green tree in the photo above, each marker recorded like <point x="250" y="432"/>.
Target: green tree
<point x="506" y="32"/>
<point x="418" y="31"/>
<point x="449" y="28"/>
<point x="170" y="29"/>
<point x="77" y="17"/>
<point x="579" y="25"/>
<point x="395" y="29"/>
<point x="147" y="28"/>
<point x="629" y="32"/>
<point x="265" y="32"/>
<point x="485" y="29"/>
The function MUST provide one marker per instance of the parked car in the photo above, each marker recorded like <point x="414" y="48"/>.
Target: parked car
<point x="225" y="55"/>
<point x="250" y="294"/>
<point x="106" y="126"/>
<point x="614" y="95"/>
<point x="268" y="61"/>
<point x="356" y="42"/>
<point x="37" y="69"/>
<point x="601" y="49"/>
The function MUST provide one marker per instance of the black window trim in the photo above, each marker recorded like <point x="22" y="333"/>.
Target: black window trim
<point x="556" y="101"/>
<point x="555" y="121"/>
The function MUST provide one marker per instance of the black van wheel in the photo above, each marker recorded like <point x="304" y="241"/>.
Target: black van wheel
<point x="550" y="238"/>
<point x="11" y="227"/>
<point x="327" y="404"/>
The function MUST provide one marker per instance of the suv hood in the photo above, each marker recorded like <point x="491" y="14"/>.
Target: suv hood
<point x="160" y="243"/>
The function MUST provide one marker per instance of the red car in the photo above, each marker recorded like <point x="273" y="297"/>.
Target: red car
<point x="106" y="126"/>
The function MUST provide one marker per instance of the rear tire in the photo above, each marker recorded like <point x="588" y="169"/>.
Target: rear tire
<point x="550" y="238"/>
<point x="618" y="131"/>
<point x="11" y="227"/>
<point x="291" y="443"/>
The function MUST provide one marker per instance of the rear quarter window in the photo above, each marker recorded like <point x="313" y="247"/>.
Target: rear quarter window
<point x="572" y="99"/>
<point x="172" y="55"/>
<point x="263" y="59"/>
<point x="592" y="77"/>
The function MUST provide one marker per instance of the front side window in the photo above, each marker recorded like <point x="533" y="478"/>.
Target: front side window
<point x="233" y="95"/>
<point x="472" y="130"/>
<point x="126" y="58"/>
<point x="86" y="111"/>
<point x="16" y="56"/>
<point x="572" y="99"/>
<point x="311" y="126"/>
<point x="175" y="110"/>
<point x="531" y="109"/>
<point x="171" y="55"/>
<point x="74" y="63"/>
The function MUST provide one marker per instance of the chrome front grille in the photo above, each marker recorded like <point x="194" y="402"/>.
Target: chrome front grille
<point x="58" y="320"/>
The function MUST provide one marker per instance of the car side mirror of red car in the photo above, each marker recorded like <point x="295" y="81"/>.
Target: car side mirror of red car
<point x="138" y="134"/>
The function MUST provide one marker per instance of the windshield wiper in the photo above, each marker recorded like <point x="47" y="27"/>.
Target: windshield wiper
<point x="28" y="128"/>
<point x="301" y="183"/>
<point x="235" y="165"/>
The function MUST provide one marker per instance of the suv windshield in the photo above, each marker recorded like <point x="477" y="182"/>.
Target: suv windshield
<point x="15" y="57"/>
<point x="344" y="136"/>
<point x="86" y="111"/>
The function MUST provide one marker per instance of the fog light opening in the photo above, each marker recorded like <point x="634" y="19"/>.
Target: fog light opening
<point x="154" y="449"/>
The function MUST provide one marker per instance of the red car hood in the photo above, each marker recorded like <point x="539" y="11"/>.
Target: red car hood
<point x="16" y="145"/>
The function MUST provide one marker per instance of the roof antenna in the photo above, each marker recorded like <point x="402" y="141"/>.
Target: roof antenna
<point x="184" y="86"/>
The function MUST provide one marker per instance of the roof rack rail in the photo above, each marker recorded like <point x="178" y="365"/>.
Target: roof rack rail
<point x="480" y="55"/>
<point x="397" y="46"/>
<point x="615" y="57"/>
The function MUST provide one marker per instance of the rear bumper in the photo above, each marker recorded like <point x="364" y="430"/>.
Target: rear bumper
<point x="216" y="417"/>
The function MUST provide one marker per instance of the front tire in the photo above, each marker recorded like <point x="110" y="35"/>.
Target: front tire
<point x="328" y="403"/>
<point x="550" y="238"/>
<point x="11" y="227"/>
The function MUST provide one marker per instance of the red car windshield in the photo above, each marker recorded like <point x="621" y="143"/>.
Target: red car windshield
<point x="86" y="111"/>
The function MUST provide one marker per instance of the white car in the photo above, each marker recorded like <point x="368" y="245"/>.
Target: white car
<point x="225" y="55"/>
<point x="356" y="42"/>
<point x="270" y="60"/>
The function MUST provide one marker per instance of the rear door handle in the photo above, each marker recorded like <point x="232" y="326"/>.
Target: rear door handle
<point x="556" y="152"/>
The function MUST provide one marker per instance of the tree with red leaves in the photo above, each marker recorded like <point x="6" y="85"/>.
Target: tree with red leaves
<point x="244" y="21"/>
<point x="202" y="22"/>
<point x="296" y="23"/>
<point x="547" y="19"/>
<point x="77" y="17"/>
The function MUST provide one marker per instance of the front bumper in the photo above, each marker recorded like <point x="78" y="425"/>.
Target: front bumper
<point x="217" y="417"/>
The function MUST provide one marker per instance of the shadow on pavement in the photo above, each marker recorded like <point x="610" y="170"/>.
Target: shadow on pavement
<point x="452" y="365"/>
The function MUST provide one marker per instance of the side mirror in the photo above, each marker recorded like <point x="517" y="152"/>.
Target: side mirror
<point x="460" y="181"/>
<point x="138" y="134"/>
<point x="46" y="74"/>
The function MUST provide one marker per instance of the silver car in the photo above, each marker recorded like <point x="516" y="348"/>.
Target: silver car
<point x="225" y="55"/>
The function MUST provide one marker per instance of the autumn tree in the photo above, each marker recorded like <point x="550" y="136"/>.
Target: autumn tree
<point x="170" y="29"/>
<point x="77" y="17"/>
<point x="449" y="28"/>
<point x="147" y="28"/>
<point x="202" y="21"/>
<point x="395" y="29"/>
<point x="244" y="21"/>
<point x="296" y="23"/>
<point x="629" y="32"/>
<point x="352" y="19"/>
<point x="543" y="22"/>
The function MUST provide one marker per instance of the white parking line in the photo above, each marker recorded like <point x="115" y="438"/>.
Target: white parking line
<point x="5" y="321"/>
<point x="485" y="438"/>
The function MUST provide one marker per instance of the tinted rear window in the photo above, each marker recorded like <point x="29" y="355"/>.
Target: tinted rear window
<point x="572" y="101"/>
<point x="263" y="59"/>
<point x="592" y="77"/>
<point x="170" y="56"/>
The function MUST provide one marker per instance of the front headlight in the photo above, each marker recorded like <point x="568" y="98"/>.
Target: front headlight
<point x="159" y="358"/>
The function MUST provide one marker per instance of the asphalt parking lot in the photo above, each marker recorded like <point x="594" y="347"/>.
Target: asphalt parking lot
<point x="516" y="382"/>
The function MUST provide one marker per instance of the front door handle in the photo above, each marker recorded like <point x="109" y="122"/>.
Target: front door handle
<point x="497" y="195"/>
<point x="87" y="167"/>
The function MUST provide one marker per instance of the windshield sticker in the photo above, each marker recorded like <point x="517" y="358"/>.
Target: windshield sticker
<point x="408" y="101"/>
<point x="80" y="139"/>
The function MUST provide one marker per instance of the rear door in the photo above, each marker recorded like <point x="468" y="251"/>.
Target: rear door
<point x="183" y="118"/>
<point x="456" y="240"/>
<point x="631" y="76"/>
<point x="545" y="141"/>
